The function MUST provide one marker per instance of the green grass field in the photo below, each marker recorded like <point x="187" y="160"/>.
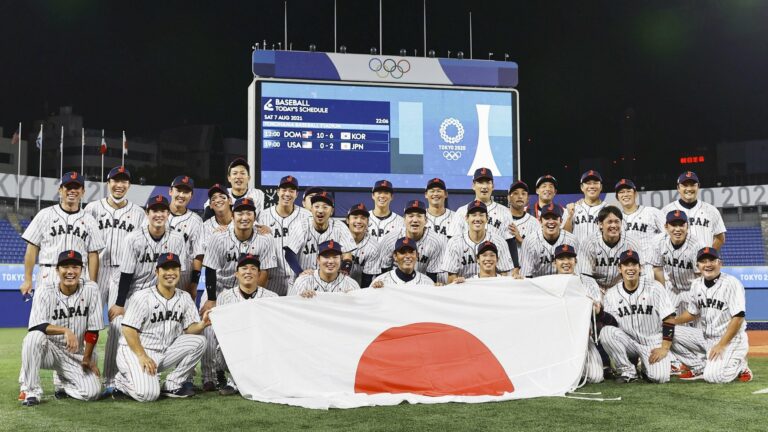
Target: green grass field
<point x="678" y="406"/>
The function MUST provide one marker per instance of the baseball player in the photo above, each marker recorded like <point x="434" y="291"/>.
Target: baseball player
<point x="161" y="329"/>
<point x="63" y="226"/>
<point x="600" y="253"/>
<point x="582" y="215"/>
<point x="674" y="258"/>
<point x="538" y="251"/>
<point x="239" y="177"/>
<point x="565" y="263"/>
<point x="139" y="253"/>
<point x="328" y="276"/>
<point x="644" y="323"/>
<point x="720" y="339"/>
<point x="641" y="223"/>
<point x="221" y="206"/>
<point x="382" y="220"/>
<point x="704" y="220"/>
<point x="546" y="190"/>
<point x="64" y="327"/>
<point x="282" y="219"/>
<point x="430" y="246"/>
<point x="406" y="257"/>
<point x="499" y="218"/>
<point x="365" y="260"/>
<point x="460" y="256"/>
<point x="306" y="199"/>
<point x="187" y="223"/>
<point x="487" y="260"/>
<point x="523" y="224"/>
<point x="116" y="217"/>
<point x="439" y="216"/>
<point x="301" y="246"/>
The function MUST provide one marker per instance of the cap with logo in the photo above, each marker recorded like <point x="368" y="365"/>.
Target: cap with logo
<point x="405" y="243"/>
<point x="183" y="181"/>
<point x="477" y="206"/>
<point x="217" y="188"/>
<point x="243" y="204"/>
<point x="289" y="181"/>
<point x="244" y="259"/>
<point x="629" y="255"/>
<point x="565" y="250"/>
<point x="677" y="216"/>
<point x="436" y="183"/>
<point x="591" y="175"/>
<point x="624" y="184"/>
<point x="519" y="184"/>
<point x="168" y="259"/>
<point x="358" y="209"/>
<point x="72" y="177"/>
<point x="119" y="172"/>
<point x="487" y="246"/>
<point x="551" y="209"/>
<point x="322" y="197"/>
<point x="687" y="176"/>
<point x="482" y="173"/>
<point x="546" y="178"/>
<point x="157" y="201"/>
<point x="70" y="257"/>
<point x="383" y="185"/>
<point x="707" y="252"/>
<point x="415" y="206"/>
<point x="329" y="247"/>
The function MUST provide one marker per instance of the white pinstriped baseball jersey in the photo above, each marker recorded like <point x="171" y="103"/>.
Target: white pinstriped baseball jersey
<point x="114" y="225"/>
<point x="140" y="252"/>
<point x="644" y="225"/>
<point x="305" y="240"/>
<point x="224" y="248"/>
<point x="158" y="320"/>
<point x="640" y="313"/>
<point x="391" y="278"/>
<point x="210" y="227"/>
<point x="190" y="226"/>
<point x="54" y="230"/>
<point x="257" y="195"/>
<point x="79" y="312"/>
<point x="717" y="305"/>
<point x="379" y="227"/>
<point x="499" y="219"/>
<point x="704" y="220"/>
<point x="678" y="263"/>
<point x="537" y="254"/>
<point x="460" y="256"/>
<point x="365" y="258"/>
<point x="527" y="225"/>
<point x="235" y="295"/>
<point x="585" y="220"/>
<point x="430" y="248"/>
<point x="312" y="282"/>
<point x="441" y="224"/>
<point x="281" y="227"/>
<point x="601" y="261"/>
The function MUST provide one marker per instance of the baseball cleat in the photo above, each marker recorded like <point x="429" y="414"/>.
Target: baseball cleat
<point x="677" y="370"/>
<point x="118" y="395"/>
<point x="745" y="375"/>
<point x="227" y="390"/>
<point x="690" y="375"/>
<point x="209" y="386"/>
<point x="180" y="392"/>
<point x="221" y="379"/>
<point x="31" y="401"/>
<point x="625" y="379"/>
<point x="60" y="394"/>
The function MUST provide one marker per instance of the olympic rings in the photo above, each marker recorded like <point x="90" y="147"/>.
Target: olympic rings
<point x="444" y="131"/>
<point x="389" y="67"/>
<point x="452" y="155"/>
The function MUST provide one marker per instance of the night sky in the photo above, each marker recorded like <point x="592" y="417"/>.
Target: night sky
<point x="689" y="73"/>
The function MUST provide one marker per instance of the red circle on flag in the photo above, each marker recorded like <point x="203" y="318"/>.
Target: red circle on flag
<point x="430" y="359"/>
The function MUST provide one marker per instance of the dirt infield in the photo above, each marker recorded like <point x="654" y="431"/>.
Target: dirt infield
<point x="758" y="343"/>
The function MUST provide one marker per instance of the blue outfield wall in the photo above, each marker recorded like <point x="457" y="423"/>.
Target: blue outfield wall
<point x="14" y="311"/>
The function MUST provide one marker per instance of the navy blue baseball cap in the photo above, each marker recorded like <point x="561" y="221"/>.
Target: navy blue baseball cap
<point x="591" y="175"/>
<point x="487" y="246"/>
<point x="383" y="185"/>
<point x="183" y="181"/>
<point x="551" y="209"/>
<point x="248" y="258"/>
<point x="217" y="188"/>
<point x="629" y="255"/>
<point x="624" y="184"/>
<point x="330" y="247"/>
<point x="70" y="257"/>
<point x="358" y="209"/>
<point x="322" y="197"/>
<point x="243" y="204"/>
<point x="289" y="181"/>
<point x="482" y="173"/>
<point x="475" y="206"/>
<point x="677" y="216"/>
<point x="72" y="177"/>
<point x="312" y="190"/>
<point x="546" y="178"/>
<point x="519" y="184"/>
<point x="405" y="243"/>
<point x="168" y="259"/>
<point x="157" y="201"/>
<point x="565" y="250"/>
<point x="119" y="171"/>
<point x="238" y="162"/>
<point x="415" y="206"/>
<point x="436" y="183"/>
<point x="687" y="176"/>
<point x="707" y="252"/>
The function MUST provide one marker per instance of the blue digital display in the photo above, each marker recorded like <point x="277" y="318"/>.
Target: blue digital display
<point x="351" y="135"/>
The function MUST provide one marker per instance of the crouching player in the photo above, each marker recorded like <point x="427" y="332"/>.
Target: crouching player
<point x="161" y="329"/>
<point x="63" y="330"/>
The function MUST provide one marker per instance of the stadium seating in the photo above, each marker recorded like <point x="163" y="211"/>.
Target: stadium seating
<point x="743" y="247"/>
<point x="13" y="247"/>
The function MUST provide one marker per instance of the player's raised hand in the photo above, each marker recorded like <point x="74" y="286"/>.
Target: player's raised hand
<point x="377" y="284"/>
<point x="115" y="311"/>
<point x="72" y="343"/>
<point x="570" y="207"/>
<point x="657" y="354"/>
<point x="148" y="365"/>
<point x="26" y="287"/>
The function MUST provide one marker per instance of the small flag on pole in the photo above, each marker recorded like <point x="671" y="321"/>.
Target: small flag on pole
<point x="15" y="138"/>
<point x="39" y="140"/>
<point x="103" y="148"/>
<point x="125" y="144"/>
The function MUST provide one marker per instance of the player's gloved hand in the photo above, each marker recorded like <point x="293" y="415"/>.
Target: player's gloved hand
<point x="657" y="354"/>
<point x="716" y="351"/>
<point x="90" y="366"/>
<point x="72" y="342"/>
<point x="208" y="305"/>
<point x="26" y="287"/>
<point x="307" y="293"/>
<point x="147" y="364"/>
<point x="377" y="284"/>
<point x="115" y="311"/>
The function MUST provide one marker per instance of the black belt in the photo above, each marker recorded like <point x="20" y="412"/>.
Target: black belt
<point x="47" y="265"/>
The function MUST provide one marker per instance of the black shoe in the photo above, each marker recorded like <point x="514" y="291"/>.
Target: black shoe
<point x="209" y="386"/>
<point x="625" y="379"/>
<point x="221" y="379"/>
<point x="609" y="374"/>
<point x="119" y="395"/>
<point x="228" y="390"/>
<point x="181" y="392"/>
<point x="60" y="394"/>
<point x="31" y="401"/>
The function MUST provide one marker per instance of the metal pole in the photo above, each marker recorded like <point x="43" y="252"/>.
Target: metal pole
<point x="335" y="39"/>
<point x="40" y="170"/>
<point x="18" y="171"/>
<point x="82" y="153"/>
<point x="381" y="46"/>
<point x="470" y="35"/>
<point x="425" y="28"/>
<point x="285" y="25"/>
<point x="61" y="155"/>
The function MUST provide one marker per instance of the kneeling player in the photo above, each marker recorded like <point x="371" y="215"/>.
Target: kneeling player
<point x="161" y="329"/>
<point x="406" y="258"/>
<point x="62" y="318"/>
<point x="327" y="277"/>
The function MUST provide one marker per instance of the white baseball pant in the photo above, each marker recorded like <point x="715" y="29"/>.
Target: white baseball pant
<point x="620" y="347"/>
<point x="722" y="370"/>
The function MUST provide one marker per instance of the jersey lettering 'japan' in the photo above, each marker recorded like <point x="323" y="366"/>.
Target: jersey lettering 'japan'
<point x="585" y="220"/>
<point x="678" y="263"/>
<point x="644" y="225"/>
<point x="224" y="248"/>
<point x="281" y="228"/>
<point x="704" y="220"/>
<point x="717" y="305"/>
<point x="640" y="313"/>
<point x="54" y="230"/>
<point x="141" y="251"/>
<point x="441" y="224"/>
<point x="114" y="226"/>
<point x="379" y="227"/>
<point x="158" y="320"/>
<point x="601" y="261"/>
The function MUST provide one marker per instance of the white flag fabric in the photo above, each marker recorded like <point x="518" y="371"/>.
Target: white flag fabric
<point x="483" y="340"/>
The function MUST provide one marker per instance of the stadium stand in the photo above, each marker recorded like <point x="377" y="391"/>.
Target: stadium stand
<point x="744" y="247"/>
<point x="13" y="247"/>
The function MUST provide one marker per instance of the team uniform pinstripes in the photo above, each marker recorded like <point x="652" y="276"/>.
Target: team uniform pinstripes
<point x="601" y="261"/>
<point x="223" y="249"/>
<point x="391" y="278"/>
<point x="537" y="253"/>
<point x="79" y="312"/>
<point x="210" y="227"/>
<point x="678" y="263"/>
<point x="160" y="323"/>
<point x="585" y="220"/>
<point x="379" y="227"/>
<point x="704" y="220"/>
<point x="281" y="277"/>
<point x="527" y="225"/>
<point x="305" y="240"/>
<point x="366" y="258"/>
<point x="460" y="256"/>
<point x="499" y="219"/>
<point x="430" y="248"/>
<point x="440" y="224"/>
<point x="644" y="225"/>
<point x="312" y="282"/>
<point x="190" y="226"/>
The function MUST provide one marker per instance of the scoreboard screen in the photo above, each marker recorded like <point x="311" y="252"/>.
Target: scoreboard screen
<point x="348" y="136"/>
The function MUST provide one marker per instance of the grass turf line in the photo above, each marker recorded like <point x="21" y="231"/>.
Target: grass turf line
<point x="678" y="406"/>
